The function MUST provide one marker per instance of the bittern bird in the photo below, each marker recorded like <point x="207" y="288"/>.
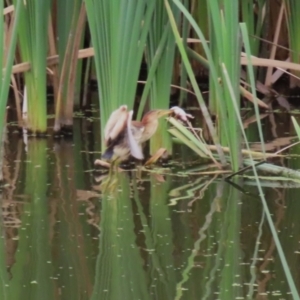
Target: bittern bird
<point x="124" y="137"/>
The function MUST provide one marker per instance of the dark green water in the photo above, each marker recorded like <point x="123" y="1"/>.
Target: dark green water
<point x="151" y="236"/>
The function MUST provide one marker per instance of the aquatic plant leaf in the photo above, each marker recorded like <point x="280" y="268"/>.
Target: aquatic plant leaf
<point x="198" y="142"/>
<point x="187" y="64"/>
<point x="296" y="125"/>
<point x="252" y="82"/>
<point x="187" y="142"/>
<point x="135" y="148"/>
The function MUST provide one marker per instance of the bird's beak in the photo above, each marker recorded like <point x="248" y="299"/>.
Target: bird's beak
<point x="164" y="112"/>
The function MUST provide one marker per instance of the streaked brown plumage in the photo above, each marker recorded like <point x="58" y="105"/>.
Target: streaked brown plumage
<point x="124" y="137"/>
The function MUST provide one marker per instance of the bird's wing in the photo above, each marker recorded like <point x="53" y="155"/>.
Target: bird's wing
<point x="137" y="129"/>
<point x="115" y="124"/>
<point x="135" y="148"/>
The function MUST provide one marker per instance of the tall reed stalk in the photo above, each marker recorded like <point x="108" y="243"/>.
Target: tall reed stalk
<point x="187" y="65"/>
<point x="253" y="13"/>
<point x="225" y="58"/>
<point x="226" y="44"/>
<point x="200" y="14"/>
<point x="119" y="30"/>
<point x="7" y="58"/>
<point x="2" y="26"/>
<point x="183" y="74"/>
<point x="71" y="16"/>
<point x="293" y="20"/>
<point x="161" y="39"/>
<point x="33" y="45"/>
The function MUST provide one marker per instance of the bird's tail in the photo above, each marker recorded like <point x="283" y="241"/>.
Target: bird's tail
<point x="108" y="153"/>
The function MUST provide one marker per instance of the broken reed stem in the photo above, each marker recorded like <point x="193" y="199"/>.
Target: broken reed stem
<point x="88" y="52"/>
<point x="52" y="60"/>
<point x="247" y="152"/>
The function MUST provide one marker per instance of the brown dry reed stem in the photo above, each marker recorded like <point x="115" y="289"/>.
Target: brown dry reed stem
<point x="85" y="82"/>
<point x="8" y="36"/>
<point x="249" y="96"/>
<point x="173" y="86"/>
<point x="89" y="52"/>
<point x="53" y="51"/>
<point x="255" y="154"/>
<point x="268" y="80"/>
<point x="72" y="72"/>
<point x="64" y="81"/>
<point x="8" y="10"/>
<point x="286" y="148"/>
<point x="53" y="60"/>
<point x="265" y="62"/>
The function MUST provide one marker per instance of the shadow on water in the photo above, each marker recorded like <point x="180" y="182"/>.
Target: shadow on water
<point x="153" y="236"/>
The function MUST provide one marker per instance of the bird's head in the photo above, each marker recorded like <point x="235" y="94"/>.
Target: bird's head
<point x="155" y="114"/>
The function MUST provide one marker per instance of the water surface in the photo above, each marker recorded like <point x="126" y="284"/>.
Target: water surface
<point x="160" y="235"/>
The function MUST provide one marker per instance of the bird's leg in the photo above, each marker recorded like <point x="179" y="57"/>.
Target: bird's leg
<point x="160" y="153"/>
<point x="139" y="170"/>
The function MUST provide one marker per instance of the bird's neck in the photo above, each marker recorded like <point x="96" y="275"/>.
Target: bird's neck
<point x="152" y="126"/>
<point x="149" y="130"/>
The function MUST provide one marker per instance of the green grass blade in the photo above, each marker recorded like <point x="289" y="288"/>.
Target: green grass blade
<point x="296" y="126"/>
<point x="119" y="30"/>
<point x="187" y="142"/>
<point x="151" y="73"/>
<point x="199" y="144"/>
<point x="1" y="36"/>
<point x="6" y="74"/>
<point x="265" y="205"/>
<point x="33" y="32"/>
<point x="193" y="81"/>
<point x="252" y="83"/>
